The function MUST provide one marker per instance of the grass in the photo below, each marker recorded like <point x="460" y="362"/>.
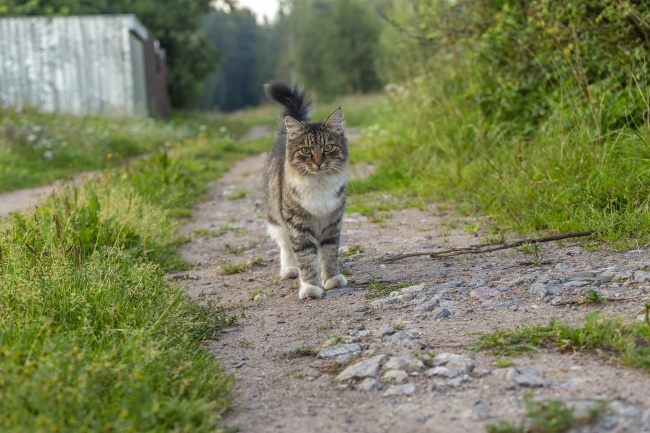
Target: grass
<point x="614" y="339"/>
<point x="551" y="416"/>
<point x="92" y="335"/>
<point x="233" y="268"/>
<point x="430" y="141"/>
<point x="38" y="148"/>
<point x="380" y="289"/>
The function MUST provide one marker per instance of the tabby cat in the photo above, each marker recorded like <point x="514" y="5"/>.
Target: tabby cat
<point x="305" y="179"/>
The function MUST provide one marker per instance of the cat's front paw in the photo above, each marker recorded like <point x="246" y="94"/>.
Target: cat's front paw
<point x="289" y="272"/>
<point x="336" y="281"/>
<point x="309" y="291"/>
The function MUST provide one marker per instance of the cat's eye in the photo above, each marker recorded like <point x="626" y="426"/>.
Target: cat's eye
<point x="305" y="151"/>
<point x="328" y="148"/>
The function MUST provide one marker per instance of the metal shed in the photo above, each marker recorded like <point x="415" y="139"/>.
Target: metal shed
<point x="108" y="64"/>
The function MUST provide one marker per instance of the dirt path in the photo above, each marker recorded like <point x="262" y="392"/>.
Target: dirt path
<point x="278" y="390"/>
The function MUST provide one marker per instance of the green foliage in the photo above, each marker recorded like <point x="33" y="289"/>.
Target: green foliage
<point x="249" y="52"/>
<point x="627" y="343"/>
<point x="380" y="289"/>
<point x="566" y="153"/>
<point x="93" y="336"/>
<point x="37" y="148"/>
<point x="550" y="416"/>
<point x="334" y="45"/>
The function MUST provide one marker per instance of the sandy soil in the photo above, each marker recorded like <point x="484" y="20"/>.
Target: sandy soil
<point x="279" y="391"/>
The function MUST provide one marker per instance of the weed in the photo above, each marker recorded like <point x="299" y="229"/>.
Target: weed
<point x="471" y="227"/>
<point x="257" y="261"/>
<point x="593" y="297"/>
<point x="626" y="343"/>
<point x="298" y="374"/>
<point x="244" y="342"/>
<point x="257" y="292"/>
<point x="335" y="339"/>
<point x="233" y="268"/>
<point x="551" y="416"/>
<point x="235" y="249"/>
<point x="502" y="362"/>
<point x="530" y="248"/>
<point x="237" y="195"/>
<point x="305" y="351"/>
<point x="398" y="326"/>
<point x="325" y="326"/>
<point x="352" y="250"/>
<point x="379" y="289"/>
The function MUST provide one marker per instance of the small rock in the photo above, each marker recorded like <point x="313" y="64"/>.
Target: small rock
<point x="367" y="368"/>
<point x="398" y="336"/>
<point x="361" y="309"/>
<point x="339" y="349"/>
<point x="396" y="376"/>
<point x="463" y="364"/>
<point x="445" y="286"/>
<point x="369" y="384"/>
<point x="441" y="313"/>
<point x="642" y="276"/>
<point x="404" y="362"/>
<point x="260" y="297"/>
<point x="484" y="293"/>
<point x="482" y="410"/>
<point x="624" y="409"/>
<point x="364" y="333"/>
<point x="578" y="283"/>
<point x="444" y="357"/>
<point x="508" y="303"/>
<point x="427" y="306"/>
<point x="521" y="281"/>
<point x="480" y="372"/>
<point x="412" y="289"/>
<point x="385" y="330"/>
<point x="530" y="381"/>
<point x="502" y="288"/>
<point x="443" y="372"/>
<point x="464" y="291"/>
<point x="406" y="389"/>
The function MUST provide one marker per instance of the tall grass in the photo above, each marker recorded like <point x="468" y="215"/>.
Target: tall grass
<point x="92" y="335"/>
<point x="568" y="173"/>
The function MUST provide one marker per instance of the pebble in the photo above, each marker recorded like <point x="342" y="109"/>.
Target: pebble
<point x="369" y="384"/>
<point x="441" y="313"/>
<point x="484" y="293"/>
<point x="339" y="349"/>
<point x="385" y="330"/>
<point x="404" y="362"/>
<point x="427" y="306"/>
<point x="406" y="389"/>
<point x="396" y="376"/>
<point x="642" y="276"/>
<point x="367" y="368"/>
<point x="443" y="372"/>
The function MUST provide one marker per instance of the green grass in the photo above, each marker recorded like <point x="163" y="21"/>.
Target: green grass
<point x="37" y="148"/>
<point x="431" y="142"/>
<point x="379" y="289"/>
<point x="614" y="339"/>
<point x="92" y="335"/>
<point x="550" y="416"/>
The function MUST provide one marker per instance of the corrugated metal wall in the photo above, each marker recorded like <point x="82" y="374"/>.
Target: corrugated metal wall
<point x="74" y="64"/>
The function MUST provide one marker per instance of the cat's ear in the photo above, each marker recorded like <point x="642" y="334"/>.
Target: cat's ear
<point x="335" y="121"/>
<point x="293" y="126"/>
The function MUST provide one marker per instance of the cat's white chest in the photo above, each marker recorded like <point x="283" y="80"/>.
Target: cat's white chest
<point x="318" y="195"/>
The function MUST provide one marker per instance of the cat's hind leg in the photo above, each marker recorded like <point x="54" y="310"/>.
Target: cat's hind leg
<point x="288" y="263"/>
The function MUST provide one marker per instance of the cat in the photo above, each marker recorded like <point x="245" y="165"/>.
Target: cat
<point x="305" y="180"/>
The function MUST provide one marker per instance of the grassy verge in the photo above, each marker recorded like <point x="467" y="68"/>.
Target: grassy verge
<point x="625" y="343"/>
<point x="92" y="336"/>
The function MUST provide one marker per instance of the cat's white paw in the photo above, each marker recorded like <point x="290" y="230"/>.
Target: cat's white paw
<point x="309" y="291"/>
<point x="336" y="281"/>
<point x="289" y="272"/>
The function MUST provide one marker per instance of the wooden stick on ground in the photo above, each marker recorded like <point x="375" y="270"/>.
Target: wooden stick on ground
<point x="487" y="248"/>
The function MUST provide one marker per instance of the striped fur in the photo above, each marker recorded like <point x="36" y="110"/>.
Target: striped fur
<point x="305" y="188"/>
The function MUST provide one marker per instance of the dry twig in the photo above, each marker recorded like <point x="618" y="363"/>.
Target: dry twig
<point x="487" y="248"/>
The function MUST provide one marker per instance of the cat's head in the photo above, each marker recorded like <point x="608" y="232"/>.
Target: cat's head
<point x="317" y="148"/>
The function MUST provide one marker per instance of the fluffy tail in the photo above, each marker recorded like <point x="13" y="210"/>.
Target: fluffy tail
<point x="294" y="100"/>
